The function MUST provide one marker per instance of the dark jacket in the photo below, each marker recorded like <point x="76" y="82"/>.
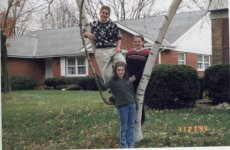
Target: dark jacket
<point x="122" y="90"/>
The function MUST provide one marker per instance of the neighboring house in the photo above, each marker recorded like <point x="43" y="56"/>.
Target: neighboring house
<point x="220" y="31"/>
<point x="187" y="41"/>
<point x="59" y="52"/>
<point x="48" y="53"/>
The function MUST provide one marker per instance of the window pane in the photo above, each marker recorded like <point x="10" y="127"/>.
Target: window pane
<point x="71" y="62"/>
<point x="181" y="62"/>
<point x="206" y="59"/>
<point x="199" y="65"/>
<point x="81" y="70"/>
<point x="71" y="70"/>
<point x="181" y="56"/>
<point x="199" y="58"/>
<point x="81" y="60"/>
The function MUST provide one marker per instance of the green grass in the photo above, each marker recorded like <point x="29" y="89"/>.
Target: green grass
<point x="79" y="120"/>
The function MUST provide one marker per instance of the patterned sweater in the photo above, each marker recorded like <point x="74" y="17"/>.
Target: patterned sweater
<point x="107" y="34"/>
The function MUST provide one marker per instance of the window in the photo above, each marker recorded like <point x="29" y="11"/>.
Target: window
<point x="76" y="66"/>
<point x="181" y="59"/>
<point x="81" y="65"/>
<point x="203" y="62"/>
<point x="71" y="66"/>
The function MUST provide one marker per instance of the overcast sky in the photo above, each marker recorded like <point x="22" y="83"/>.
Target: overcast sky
<point x="159" y="6"/>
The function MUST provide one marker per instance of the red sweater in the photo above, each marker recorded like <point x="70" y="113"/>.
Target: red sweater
<point x="135" y="63"/>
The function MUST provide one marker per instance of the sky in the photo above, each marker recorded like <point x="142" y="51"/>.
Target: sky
<point x="159" y="6"/>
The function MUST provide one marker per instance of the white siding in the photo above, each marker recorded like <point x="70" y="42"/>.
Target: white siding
<point x="218" y="4"/>
<point x="197" y="39"/>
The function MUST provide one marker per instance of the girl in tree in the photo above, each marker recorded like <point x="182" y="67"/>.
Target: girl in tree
<point x="136" y="59"/>
<point x="125" y="101"/>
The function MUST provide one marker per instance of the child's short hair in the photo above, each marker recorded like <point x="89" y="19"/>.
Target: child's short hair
<point x="105" y="7"/>
<point x="119" y="64"/>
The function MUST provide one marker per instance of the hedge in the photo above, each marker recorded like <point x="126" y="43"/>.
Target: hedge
<point x="22" y="83"/>
<point x="172" y="86"/>
<point x="217" y="84"/>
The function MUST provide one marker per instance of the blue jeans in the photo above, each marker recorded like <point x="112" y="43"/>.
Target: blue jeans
<point x="127" y="125"/>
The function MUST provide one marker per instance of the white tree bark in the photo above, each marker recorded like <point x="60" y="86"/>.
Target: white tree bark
<point x="150" y="64"/>
<point x="84" y="21"/>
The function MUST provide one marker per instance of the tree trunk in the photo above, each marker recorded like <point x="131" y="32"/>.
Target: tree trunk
<point x="5" y="75"/>
<point x="84" y="21"/>
<point x="150" y="64"/>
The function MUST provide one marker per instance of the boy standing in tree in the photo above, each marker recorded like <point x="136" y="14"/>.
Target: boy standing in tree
<point x="107" y="39"/>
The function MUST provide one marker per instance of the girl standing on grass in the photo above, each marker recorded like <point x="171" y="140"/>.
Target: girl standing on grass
<point x="136" y="59"/>
<point x="125" y="101"/>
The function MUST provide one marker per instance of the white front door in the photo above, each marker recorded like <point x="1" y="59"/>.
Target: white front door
<point x="49" y="68"/>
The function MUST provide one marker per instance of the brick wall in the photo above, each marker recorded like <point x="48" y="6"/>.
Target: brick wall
<point x="220" y="41"/>
<point x="225" y="41"/>
<point x="127" y="40"/>
<point x="216" y="41"/>
<point x="169" y="57"/>
<point x="34" y="68"/>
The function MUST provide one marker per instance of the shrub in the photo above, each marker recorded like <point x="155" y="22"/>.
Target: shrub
<point x="73" y="83"/>
<point x="54" y="82"/>
<point x="172" y="86"/>
<point x="60" y="82"/>
<point x="201" y="87"/>
<point x="70" y="80"/>
<point x="216" y="83"/>
<point x="22" y="83"/>
<point x="88" y="83"/>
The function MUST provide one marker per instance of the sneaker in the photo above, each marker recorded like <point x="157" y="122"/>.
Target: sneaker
<point x="112" y="100"/>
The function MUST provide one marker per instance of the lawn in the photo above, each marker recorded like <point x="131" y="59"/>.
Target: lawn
<point x="43" y="119"/>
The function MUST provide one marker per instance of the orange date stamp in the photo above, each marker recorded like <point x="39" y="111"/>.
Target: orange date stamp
<point x="194" y="129"/>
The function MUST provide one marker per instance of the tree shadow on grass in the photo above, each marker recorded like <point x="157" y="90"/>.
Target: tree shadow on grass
<point x="143" y="143"/>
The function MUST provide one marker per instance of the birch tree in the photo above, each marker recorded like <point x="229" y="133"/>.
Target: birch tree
<point x="150" y="64"/>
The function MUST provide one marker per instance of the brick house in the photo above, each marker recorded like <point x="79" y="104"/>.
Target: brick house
<point x="59" y="52"/>
<point x="220" y="32"/>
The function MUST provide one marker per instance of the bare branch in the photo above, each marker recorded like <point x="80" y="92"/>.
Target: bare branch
<point x="63" y="15"/>
<point x="49" y="6"/>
